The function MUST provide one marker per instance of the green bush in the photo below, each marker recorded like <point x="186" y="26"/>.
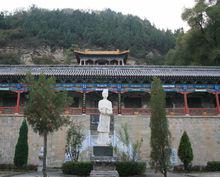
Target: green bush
<point x="130" y="168"/>
<point x="213" y="166"/>
<point x="77" y="168"/>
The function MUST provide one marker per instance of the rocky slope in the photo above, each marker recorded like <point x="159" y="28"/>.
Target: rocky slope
<point x="43" y="55"/>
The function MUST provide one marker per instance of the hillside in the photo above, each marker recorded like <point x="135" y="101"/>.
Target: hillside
<point x="38" y="33"/>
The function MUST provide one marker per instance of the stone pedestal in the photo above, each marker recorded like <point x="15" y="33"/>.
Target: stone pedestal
<point x="103" y="162"/>
<point x="40" y="165"/>
<point x="104" y="173"/>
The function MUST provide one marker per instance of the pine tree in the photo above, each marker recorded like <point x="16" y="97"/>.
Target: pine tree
<point x="21" y="149"/>
<point x="160" y="135"/>
<point x="185" y="151"/>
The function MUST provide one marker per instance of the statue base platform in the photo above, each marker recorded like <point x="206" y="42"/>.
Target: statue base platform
<point x="104" y="163"/>
<point x="99" y="151"/>
<point x="39" y="168"/>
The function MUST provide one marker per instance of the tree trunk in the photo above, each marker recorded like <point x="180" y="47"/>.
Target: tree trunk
<point x="165" y="173"/>
<point x="45" y="155"/>
<point x="185" y="166"/>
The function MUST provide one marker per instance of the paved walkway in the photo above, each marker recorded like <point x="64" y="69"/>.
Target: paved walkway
<point x="60" y="174"/>
<point x="149" y="174"/>
<point x="211" y="174"/>
<point x="152" y="174"/>
<point x="37" y="174"/>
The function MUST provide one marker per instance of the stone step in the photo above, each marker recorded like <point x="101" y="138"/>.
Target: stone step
<point x="95" y="173"/>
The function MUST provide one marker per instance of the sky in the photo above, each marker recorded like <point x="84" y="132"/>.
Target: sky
<point x="164" y="14"/>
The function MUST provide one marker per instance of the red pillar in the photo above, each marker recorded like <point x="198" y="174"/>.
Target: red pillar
<point x="17" y="108"/>
<point x="119" y="103"/>
<point x="84" y="103"/>
<point x="217" y="103"/>
<point x="186" y="107"/>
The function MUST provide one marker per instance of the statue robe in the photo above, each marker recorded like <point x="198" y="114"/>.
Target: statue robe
<point x="105" y="109"/>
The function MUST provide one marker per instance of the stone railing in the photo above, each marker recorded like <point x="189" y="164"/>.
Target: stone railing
<point x="8" y="110"/>
<point x="124" y="111"/>
<point x="135" y="111"/>
<point x="202" y="111"/>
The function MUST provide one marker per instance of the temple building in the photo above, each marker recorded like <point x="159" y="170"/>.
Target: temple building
<point x="89" y="57"/>
<point x="192" y="104"/>
<point x="190" y="90"/>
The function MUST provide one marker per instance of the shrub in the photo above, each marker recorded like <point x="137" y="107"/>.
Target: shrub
<point x="77" y="168"/>
<point x="213" y="166"/>
<point x="130" y="168"/>
<point x="185" y="151"/>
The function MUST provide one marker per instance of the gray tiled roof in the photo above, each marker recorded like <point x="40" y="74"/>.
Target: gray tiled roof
<point x="111" y="71"/>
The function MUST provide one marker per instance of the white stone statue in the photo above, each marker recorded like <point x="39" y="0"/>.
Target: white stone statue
<point x="105" y="109"/>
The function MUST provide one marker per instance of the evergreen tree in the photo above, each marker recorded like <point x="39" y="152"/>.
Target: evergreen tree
<point x="106" y="29"/>
<point x="160" y="135"/>
<point x="21" y="149"/>
<point x="185" y="151"/>
<point x="44" y="108"/>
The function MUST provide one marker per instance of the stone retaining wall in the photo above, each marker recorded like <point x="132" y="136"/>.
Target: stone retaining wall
<point x="204" y="133"/>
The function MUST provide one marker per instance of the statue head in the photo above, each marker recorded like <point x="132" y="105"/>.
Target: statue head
<point x="105" y="93"/>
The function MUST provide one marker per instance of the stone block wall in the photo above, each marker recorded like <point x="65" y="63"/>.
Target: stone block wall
<point x="9" y="131"/>
<point x="204" y="133"/>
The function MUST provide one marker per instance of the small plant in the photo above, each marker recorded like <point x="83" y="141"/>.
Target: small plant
<point x="21" y="149"/>
<point x="185" y="151"/>
<point x="131" y="150"/>
<point x="74" y="139"/>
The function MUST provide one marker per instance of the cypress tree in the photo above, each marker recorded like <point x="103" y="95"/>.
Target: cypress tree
<point x="185" y="151"/>
<point x="160" y="135"/>
<point x="21" y="149"/>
